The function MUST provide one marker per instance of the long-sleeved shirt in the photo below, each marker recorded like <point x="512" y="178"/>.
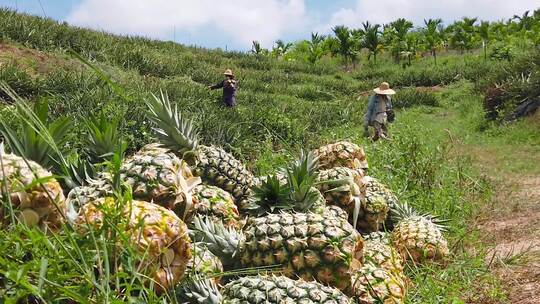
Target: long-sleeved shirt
<point x="229" y="91"/>
<point x="374" y="108"/>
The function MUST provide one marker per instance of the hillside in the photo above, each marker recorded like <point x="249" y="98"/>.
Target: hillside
<point x="444" y="158"/>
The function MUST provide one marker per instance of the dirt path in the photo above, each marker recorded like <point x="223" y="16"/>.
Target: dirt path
<point x="510" y="227"/>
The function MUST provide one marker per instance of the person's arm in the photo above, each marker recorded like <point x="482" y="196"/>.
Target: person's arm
<point x="217" y="85"/>
<point x="389" y="103"/>
<point x="370" y="109"/>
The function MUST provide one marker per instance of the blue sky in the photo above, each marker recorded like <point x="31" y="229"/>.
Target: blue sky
<point x="235" y="23"/>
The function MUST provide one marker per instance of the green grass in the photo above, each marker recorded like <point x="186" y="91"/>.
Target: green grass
<point x="283" y="106"/>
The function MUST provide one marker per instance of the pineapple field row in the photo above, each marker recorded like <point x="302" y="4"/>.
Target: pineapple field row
<point x="123" y="180"/>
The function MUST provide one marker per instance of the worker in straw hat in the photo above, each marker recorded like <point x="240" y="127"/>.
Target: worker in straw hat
<point x="229" y="86"/>
<point x="379" y="111"/>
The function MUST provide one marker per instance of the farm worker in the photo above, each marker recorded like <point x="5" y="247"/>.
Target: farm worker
<point x="379" y="107"/>
<point x="229" y="86"/>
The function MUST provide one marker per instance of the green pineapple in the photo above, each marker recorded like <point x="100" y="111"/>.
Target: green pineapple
<point x="374" y="213"/>
<point x="378" y="192"/>
<point x="313" y="246"/>
<point x="218" y="204"/>
<point x="204" y="263"/>
<point x="260" y="289"/>
<point x="418" y="237"/>
<point x="344" y="187"/>
<point x="374" y="284"/>
<point x="213" y="164"/>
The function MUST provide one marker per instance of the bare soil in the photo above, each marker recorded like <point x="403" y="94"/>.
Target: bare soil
<point x="510" y="227"/>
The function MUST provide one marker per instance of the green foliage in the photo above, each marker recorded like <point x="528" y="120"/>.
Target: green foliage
<point x="406" y="98"/>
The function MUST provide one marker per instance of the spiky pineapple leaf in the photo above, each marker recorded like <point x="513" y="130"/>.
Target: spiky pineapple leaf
<point x="174" y="131"/>
<point x="103" y="137"/>
<point x="270" y="196"/>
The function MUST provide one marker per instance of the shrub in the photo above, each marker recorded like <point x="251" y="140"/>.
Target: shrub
<point x="406" y="98"/>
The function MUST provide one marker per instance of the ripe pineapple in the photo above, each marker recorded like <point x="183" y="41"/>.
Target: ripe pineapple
<point x="36" y="197"/>
<point x="157" y="175"/>
<point x="418" y="237"/>
<point x="309" y="245"/>
<point x="374" y="285"/>
<point x="213" y="164"/>
<point x="341" y="154"/>
<point x="278" y="290"/>
<point x="218" y="204"/>
<point x="376" y="189"/>
<point x="344" y="187"/>
<point x="154" y="231"/>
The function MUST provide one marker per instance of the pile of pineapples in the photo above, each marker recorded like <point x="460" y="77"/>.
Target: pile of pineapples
<point x="316" y="231"/>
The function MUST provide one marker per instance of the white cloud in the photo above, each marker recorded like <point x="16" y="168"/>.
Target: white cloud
<point x="384" y="11"/>
<point x="243" y="20"/>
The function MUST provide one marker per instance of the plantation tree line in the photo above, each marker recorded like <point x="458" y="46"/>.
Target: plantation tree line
<point x="404" y="42"/>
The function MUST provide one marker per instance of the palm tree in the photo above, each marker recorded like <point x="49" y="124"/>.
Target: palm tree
<point x="396" y="31"/>
<point x="281" y="48"/>
<point x="315" y="51"/>
<point x="432" y="36"/>
<point x="256" y="48"/>
<point x="484" y="33"/>
<point x="525" y="22"/>
<point x="371" y="41"/>
<point x="411" y="47"/>
<point x="345" y="45"/>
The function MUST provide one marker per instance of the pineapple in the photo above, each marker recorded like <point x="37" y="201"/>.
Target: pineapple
<point x="213" y="164"/>
<point x="350" y="196"/>
<point x="154" y="231"/>
<point x="379" y="251"/>
<point x="309" y="245"/>
<point x="374" y="285"/>
<point x="374" y="213"/>
<point x="278" y="290"/>
<point x="377" y="191"/>
<point x="418" y="237"/>
<point x="36" y="197"/>
<point x="341" y="154"/>
<point x="159" y="176"/>
<point x="204" y="262"/>
<point x="217" y="204"/>
<point x="260" y="289"/>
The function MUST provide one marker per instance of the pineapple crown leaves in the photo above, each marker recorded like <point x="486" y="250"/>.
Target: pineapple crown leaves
<point x="403" y="211"/>
<point x="221" y="241"/>
<point x="269" y="196"/>
<point x="198" y="290"/>
<point x="173" y="130"/>
<point x="295" y="194"/>
<point x="103" y="137"/>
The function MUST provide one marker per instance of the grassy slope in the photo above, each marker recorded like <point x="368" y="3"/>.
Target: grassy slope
<point x="284" y="106"/>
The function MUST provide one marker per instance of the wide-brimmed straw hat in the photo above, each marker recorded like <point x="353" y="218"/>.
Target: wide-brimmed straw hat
<point x="228" y="72"/>
<point x="384" y="89"/>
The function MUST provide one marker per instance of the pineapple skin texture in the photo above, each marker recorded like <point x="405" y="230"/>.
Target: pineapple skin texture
<point x="153" y="174"/>
<point x="153" y="230"/>
<point x="312" y="246"/>
<point x="341" y="154"/>
<point x="374" y="214"/>
<point x="280" y="290"/>
<point x="374" y="284"/>
<point x="204" y="262"/>
<point x="219" y="168"/>
<point x="44" y="199"/>
<point x="418" y="239"/>
<point x="376" y="189"/>
<point x="218" y="204"/>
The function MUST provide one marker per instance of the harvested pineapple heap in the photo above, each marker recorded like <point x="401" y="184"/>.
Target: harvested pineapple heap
<point x="316" y="231"/>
